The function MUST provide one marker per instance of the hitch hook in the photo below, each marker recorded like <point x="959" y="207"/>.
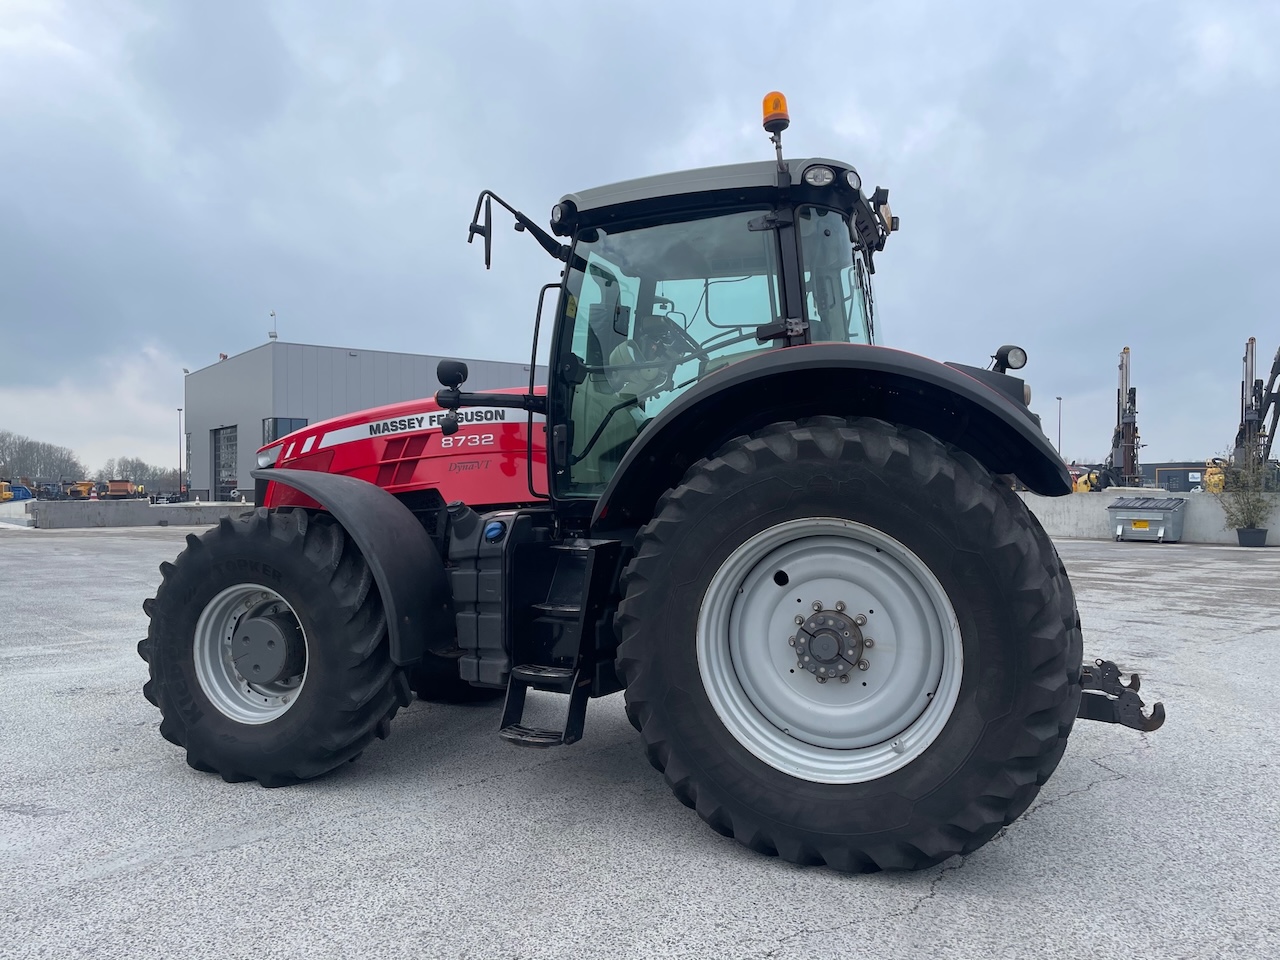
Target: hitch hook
<point x="1108" y="699"/>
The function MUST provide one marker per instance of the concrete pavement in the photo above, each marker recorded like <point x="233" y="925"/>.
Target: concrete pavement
<point x="446" y="842"/>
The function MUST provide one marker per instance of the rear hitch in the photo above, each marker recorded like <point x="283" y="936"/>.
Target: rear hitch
<point x="1108" y="699"/>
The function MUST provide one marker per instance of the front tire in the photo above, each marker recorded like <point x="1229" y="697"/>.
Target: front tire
<point x="926" y="692"/>
<point x="319" y="684"/>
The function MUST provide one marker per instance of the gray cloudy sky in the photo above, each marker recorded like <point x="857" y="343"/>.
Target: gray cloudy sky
<point x="1073" y="178"/>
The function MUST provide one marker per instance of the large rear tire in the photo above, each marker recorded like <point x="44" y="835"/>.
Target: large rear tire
<point x="846" y="643"/>
<point x="268" y="649"/>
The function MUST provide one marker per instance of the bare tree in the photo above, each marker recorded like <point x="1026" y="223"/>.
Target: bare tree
<point x="24" y="457"/>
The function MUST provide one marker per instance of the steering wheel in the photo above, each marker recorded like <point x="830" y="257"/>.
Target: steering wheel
<point x="673" y="332"/>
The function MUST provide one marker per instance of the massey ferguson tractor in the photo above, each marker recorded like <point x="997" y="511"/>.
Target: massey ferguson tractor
<point x="841" y="635"/>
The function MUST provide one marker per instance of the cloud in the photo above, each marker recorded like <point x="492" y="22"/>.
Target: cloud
<point x="1072" y="179"/>
<point x="121" y="405"/>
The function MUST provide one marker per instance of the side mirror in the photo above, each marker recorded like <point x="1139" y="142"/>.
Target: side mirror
<point x="485" y="230"/>
<point x="451" y="373"/>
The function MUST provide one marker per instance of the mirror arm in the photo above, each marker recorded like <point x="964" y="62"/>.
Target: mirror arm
<point x="548" y="243"/>
<point x="451" y="398"/>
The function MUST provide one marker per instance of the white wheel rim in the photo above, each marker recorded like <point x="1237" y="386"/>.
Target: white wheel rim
<point x="229" y="692"/>
<point x="882" y="717"/>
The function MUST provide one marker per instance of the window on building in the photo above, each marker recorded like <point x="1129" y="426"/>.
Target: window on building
<point x="273" y="428"/>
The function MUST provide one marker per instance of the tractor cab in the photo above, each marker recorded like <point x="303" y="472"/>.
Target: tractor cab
<point x="671" y="278"/>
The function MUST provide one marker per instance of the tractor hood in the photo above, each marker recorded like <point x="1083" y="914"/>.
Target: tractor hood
<point x="405" y="417"/>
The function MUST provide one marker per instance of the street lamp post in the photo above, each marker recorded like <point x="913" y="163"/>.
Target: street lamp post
<point x="1059" y="426"/>
<point x="179" y="490"/>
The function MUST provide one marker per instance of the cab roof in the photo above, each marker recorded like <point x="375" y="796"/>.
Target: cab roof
<point x="734" y="176"/>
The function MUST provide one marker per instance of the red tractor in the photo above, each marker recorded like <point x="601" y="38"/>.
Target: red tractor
<point x="841" y="635"/>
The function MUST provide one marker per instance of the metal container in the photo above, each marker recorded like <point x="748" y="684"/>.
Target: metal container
<point x="1147" y="518"/>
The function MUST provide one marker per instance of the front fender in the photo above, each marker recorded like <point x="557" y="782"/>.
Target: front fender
<point x="404" y="562"/>
<point x="829" y="379"/>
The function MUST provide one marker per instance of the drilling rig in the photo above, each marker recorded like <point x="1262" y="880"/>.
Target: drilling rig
<point x="1121" y="468"/>
<point x="1259" y="413"/>
<point x="1259" y="403"/>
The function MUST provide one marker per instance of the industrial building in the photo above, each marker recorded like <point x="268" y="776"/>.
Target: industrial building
<point x="242" y="402"/>
<point x="1178" y="475"/>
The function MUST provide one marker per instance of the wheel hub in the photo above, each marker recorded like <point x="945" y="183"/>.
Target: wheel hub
<point x="268" y="648"/>
<point x="857" y="708"/>
<point x="829" y="644"/>
<point x="250" y="653"/>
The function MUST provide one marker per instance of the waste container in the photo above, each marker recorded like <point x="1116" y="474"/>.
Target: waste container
<point x="1147" y="518"/>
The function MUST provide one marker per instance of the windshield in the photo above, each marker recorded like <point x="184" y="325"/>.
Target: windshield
<point x="648" y="311"/>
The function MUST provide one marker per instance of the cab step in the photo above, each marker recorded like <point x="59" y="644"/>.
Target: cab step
<point x="556" y="679"/>
<point x="523" y="736"/>
<point x="557" y="653"/>
<point x="575" y="683"/>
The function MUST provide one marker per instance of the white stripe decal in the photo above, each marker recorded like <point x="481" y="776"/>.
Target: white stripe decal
<point x="306" y="444"/>
<point x="426" y="421"/>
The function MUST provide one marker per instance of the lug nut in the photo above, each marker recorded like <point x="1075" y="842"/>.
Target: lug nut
<point x="799" y="620"/>
<point x="868" y="642"/>
<point x="860" y="620"/>
<point x="792" y="641"/>
<point x="817" y="605"/>
<point x="863" y="665"/>
<point x="822" y="679"/>
<point x="844" y="678"/>
<point x="839" y="606"/>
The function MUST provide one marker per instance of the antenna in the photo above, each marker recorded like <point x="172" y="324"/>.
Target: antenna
<point x="272" y="334"/>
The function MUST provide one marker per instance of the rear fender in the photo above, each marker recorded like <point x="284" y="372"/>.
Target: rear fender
<point x="404" y="562"/>
<point x="838" y="380"/>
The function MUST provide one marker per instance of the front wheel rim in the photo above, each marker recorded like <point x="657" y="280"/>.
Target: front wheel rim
<point x="221" y="682"/>
<point x="840" y="597"/>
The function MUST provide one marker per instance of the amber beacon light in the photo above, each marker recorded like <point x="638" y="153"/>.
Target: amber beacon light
<point x="776" y="118"/>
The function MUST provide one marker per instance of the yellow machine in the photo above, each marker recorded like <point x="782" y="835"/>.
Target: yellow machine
<point x="1087" y="482"/>
<point x="1214" y="475"/>
<point x="6" y="491"/>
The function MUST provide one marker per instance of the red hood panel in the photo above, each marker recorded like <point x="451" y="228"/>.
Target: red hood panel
<point x="401" y="448"/>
